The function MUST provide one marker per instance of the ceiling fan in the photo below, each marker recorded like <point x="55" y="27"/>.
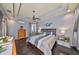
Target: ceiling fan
<point x="34" y="18"/>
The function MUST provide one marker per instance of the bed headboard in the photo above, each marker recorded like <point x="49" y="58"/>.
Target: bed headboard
<point x="49" y="31"/>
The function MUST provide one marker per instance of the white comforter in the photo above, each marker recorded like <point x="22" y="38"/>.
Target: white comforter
<point x="45" y="44"/>
<point x="33" y="38"/>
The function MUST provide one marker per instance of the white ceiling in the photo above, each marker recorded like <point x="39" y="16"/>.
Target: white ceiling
<point x="26" y="9"/>
<point x="39" y="8"/>
<point x="43" y="10"/>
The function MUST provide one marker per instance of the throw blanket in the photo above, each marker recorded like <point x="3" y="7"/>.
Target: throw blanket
<point x="45" y="45"/>
<point x="38" y="39"/>
<point x="34" y="38"/>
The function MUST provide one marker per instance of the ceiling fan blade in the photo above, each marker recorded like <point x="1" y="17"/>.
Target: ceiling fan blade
<point x="38" y="18"/>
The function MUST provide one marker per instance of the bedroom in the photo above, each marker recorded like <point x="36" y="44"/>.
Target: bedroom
<point x="39" y="28"/>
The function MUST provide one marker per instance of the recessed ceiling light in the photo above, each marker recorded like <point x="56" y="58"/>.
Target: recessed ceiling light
<point x="11" y="21"/>
<point x="62" y="31"/>
<point x="68" y="10"/>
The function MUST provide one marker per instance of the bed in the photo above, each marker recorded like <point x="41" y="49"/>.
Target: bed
<point x="44" y="41"/>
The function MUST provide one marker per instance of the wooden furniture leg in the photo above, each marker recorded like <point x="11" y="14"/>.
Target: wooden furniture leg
<point x="13" y="48"/>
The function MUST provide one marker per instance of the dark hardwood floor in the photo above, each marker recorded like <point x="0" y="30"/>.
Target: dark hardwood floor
<point x="61" y="50"/>
<point x="23" y="48"/>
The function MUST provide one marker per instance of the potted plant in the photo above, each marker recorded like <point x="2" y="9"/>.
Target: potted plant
<point x="5" y="39"/>
<point x="66" y="39"/>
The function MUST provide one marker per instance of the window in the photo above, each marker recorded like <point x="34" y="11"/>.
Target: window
<point x="33" y="27"/>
